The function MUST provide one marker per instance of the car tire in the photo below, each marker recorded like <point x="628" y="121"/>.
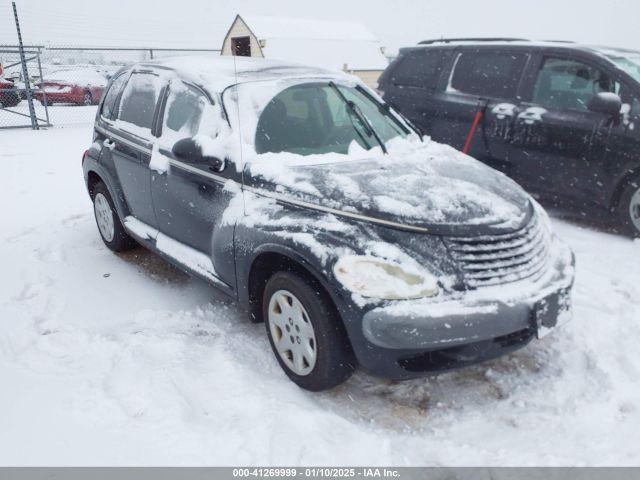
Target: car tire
<point x="629" y="208"/>
<point x="305" y="332"/>
<point x="111" y="230"/>
<point x="87" y="99"/>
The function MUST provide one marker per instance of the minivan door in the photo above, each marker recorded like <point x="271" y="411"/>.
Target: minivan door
<point x="411" y="83"/>
<point x="558" y="145"/>
<point x="484" y="79"/>
<point x="130" y="141"/>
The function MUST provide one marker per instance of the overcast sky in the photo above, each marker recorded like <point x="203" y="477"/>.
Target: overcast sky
<point x="203" y="23"/>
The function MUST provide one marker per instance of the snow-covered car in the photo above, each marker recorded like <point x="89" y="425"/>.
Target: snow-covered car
<point x="79" y="87"/>
<point x="302" y="196"/>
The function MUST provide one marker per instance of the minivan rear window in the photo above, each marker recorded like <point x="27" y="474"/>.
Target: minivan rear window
<point x="418" y="69"/>
<point x="489" y="74"/>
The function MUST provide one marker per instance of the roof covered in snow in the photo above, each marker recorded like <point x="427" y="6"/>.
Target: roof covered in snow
<point x="327" y="44"/>
<point x="284" y="27"/>
<point x="215" y="72"/>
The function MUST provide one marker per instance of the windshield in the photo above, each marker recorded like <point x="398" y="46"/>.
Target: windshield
<point x="317" y="118"/>
<point x="630" y="65"/>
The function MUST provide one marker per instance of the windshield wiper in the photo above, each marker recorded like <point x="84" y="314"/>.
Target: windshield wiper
<point x="368" y="128"/>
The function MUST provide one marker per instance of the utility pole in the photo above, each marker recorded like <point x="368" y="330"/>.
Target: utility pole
<point x="25" y="72"/>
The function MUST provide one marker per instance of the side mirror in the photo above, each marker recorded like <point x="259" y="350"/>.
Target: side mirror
<point x="189" y="150"/>
<point x="606" y="103"/>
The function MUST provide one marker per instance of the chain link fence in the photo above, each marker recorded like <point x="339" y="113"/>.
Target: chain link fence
<point x="66" y="83"/>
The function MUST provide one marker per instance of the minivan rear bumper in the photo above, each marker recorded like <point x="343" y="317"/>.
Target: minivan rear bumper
<point x="408" y="339"/>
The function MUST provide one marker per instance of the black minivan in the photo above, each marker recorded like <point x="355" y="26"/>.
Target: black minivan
<point x="300" y="195"/>
<point x="561" y="119"/>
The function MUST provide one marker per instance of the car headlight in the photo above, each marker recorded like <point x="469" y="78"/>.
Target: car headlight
<point x="372" y="277"/>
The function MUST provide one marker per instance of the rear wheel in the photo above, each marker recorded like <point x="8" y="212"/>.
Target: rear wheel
<point x="112" y="232"/>
<point x="629" y="208"/>
<point x="305" y="333"/>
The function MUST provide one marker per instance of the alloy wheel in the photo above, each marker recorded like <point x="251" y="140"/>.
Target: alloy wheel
<point x="292" y="332"/>
<point x="104" y="217"/>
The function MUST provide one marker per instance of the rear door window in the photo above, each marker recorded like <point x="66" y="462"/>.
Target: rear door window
<point x="138" y="102"/>
<point x="569" y="84"/>
<point x="109" y="106"/>
<point x="182" y="113"/>
<point x="419" y="69"/>
<point x="488" y="74"/>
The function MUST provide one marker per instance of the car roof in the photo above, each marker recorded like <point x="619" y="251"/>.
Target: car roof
<point x="215" y="73"/>
<point x="524" y="44"/>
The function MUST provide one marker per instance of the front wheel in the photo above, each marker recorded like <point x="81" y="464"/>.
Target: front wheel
<point x="629" y="208"/>
<point x="110" y="227"/>
<point x="305" y="332"/>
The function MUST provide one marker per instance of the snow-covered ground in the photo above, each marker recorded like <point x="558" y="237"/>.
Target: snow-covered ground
<point x="66" y="114"/>
<point x="123" y="360"/>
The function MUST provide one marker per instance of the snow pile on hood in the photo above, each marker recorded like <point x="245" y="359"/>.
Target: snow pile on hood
<point x="419" y="182"/>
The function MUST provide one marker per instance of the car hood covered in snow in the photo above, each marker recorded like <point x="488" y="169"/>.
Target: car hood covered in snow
<point x="424" y="185"/>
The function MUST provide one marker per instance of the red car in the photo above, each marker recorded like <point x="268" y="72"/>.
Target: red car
<point x="9" y="96"/>
<point x="80" y="87"/>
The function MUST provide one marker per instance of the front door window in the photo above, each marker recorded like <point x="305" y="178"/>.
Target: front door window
<point x="569" y="84"/>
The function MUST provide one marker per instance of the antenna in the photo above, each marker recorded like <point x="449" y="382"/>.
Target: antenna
<point x="235" y="73"/>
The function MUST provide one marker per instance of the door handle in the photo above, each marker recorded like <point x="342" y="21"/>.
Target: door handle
<point x="109" y="144"/>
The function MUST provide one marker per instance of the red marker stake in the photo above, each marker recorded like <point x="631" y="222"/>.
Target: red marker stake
<point x="482" y="106"/>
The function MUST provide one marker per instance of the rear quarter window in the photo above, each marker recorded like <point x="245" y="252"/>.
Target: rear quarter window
<point x="419" y="69"/>
<point x="487" y="74"/>
<point x="109" y="106"/>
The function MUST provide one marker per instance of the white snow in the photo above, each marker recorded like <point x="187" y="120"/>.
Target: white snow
<point x="83" y="77"/>
<point x="532" y="115"/>
<point x="121" y="360"/>
<point x="329" y="44"/>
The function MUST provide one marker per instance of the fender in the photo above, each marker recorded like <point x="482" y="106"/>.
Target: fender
<point x="91" y="165"/>
<point x="630" y="176"/>
<point x="302" y="256"/>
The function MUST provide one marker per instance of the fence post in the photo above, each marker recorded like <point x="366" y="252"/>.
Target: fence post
<point x="25" y="72"/>
<point x="151" y="54"/>
<point x="45" y="102"/>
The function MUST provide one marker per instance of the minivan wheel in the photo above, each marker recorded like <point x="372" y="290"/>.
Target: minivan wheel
<point x="111" y="229"/>
<point x="305" y="333"/>
<point x="629" y="209"/>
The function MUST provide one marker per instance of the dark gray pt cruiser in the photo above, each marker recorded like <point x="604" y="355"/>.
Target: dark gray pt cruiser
<point x="300" y="194"/>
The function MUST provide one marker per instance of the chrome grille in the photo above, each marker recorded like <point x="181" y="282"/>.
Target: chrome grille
<point x="499" y="259"/>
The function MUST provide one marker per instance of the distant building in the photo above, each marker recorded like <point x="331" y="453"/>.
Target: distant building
<point x="341" y="45"/>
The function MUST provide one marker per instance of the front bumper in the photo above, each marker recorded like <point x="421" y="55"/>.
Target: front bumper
<point x="407" y="339"/>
